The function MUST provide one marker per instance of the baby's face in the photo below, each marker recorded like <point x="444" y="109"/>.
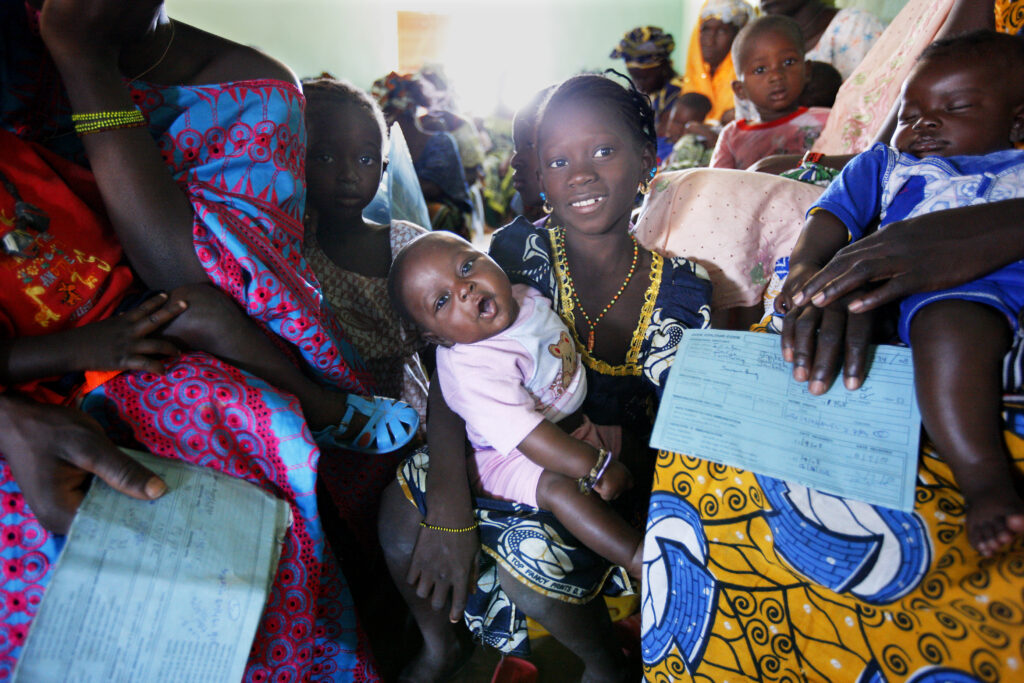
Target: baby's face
<point x="456" y="293"/>
<point x="954" y="107"/>
<point x="772" y="73"/>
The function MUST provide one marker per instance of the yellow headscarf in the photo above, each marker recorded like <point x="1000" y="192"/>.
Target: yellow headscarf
<point x="698" y="78"/>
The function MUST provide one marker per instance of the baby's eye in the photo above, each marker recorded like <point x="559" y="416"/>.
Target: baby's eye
<point x="789" y="61"/>
<point x="603" y="152"/>
<point x="441" y="301"/>
<point x="959" y="106"/>
<point x="466" y="267"/>
<point x="758" y="70"/>
<point x="323" y="158"/>
<point x="366" y="160"/>
<point x="558" y="163"/>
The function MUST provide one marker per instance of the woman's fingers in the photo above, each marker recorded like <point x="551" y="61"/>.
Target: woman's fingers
<point x="859" y="328"/>
<point x="154" y="313"/>
<point x="827" y="350"/>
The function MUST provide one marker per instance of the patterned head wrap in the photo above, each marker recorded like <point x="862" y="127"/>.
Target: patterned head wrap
<point x="399" y="92"/>
<point x="644" y="46"/>
<point x="735" y="12"/>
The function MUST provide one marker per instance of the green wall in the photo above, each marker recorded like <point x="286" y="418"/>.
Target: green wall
<point x="536" y="42"/>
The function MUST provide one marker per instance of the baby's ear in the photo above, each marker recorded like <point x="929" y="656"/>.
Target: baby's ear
<point x="384" y="165"/>
<point x="436" y="339"/>
<point x="739" y="89"/>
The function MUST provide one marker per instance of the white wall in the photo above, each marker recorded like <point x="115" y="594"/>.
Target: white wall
<point x="536" y="42"/>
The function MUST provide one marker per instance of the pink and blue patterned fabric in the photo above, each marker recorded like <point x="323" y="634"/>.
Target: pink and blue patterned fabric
<point x="238" y="151"/>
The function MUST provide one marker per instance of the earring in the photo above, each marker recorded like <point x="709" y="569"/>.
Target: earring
<point x="546" y="207"/>
<point x="645" y="184"/>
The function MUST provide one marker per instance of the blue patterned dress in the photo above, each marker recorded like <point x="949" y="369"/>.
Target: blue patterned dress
<point x="530" y="543"/>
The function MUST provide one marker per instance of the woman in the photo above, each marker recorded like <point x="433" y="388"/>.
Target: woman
<point x="203" y="186"/>
<point x="435" y="154"/>
<point x="709" y="68"/>
<point x="840" y="37"/>
<point x="806" y="585"/>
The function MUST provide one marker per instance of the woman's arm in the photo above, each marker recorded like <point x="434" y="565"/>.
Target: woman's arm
<point x="922" y="254"/>
<point x="152" y="215"/>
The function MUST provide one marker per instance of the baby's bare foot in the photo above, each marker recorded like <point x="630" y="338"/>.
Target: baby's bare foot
<point x="994" y="519"/>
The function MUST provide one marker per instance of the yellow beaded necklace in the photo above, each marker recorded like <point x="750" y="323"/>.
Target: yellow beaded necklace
<point x="558" y="240"/>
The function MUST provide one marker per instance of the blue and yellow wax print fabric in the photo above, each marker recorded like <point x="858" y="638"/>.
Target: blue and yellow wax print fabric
<point x="749" y="578"/>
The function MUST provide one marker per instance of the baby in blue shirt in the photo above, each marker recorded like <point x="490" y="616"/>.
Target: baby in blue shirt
<point x="961" y="111"/>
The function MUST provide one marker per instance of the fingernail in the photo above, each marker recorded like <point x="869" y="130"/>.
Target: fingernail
<point x="798" y="299"/>
<point x="816" y="387"/>
<point x="855" y="306"/>
<point x="800" y="374"/>
<point x="787" y="355"/>
<point x="818" y="299"/>
<point x="852" y="383"/>
<point x="155" y="488"/>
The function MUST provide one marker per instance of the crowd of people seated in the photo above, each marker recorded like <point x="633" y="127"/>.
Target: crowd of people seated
<point x="461" y="433"/>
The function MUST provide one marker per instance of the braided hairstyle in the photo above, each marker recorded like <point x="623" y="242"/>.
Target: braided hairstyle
<point x="632" y="107"/>
<point x="327" y="89"/>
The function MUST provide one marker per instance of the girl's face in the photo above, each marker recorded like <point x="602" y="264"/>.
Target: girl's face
<point x="591" y="166"/>
<point x="344" y="161"/>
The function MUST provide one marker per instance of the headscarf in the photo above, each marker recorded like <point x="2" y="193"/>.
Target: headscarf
<point x="644" y="46"/>
<point x="735" y="12"/>
<point x="399" y="92"/>
<point x="697" y="78"/>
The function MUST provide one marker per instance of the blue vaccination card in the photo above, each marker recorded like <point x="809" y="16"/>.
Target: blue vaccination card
<point x="731" y="399"/>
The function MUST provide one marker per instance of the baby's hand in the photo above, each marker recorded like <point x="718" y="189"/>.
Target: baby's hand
<point x="799" y="275"/>
<point x="123" y="342"/>
<point x="615" y="481"/>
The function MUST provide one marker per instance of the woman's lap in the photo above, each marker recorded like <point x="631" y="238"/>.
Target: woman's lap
<point x="534" y="548"/>
<point x="210" y="414"/>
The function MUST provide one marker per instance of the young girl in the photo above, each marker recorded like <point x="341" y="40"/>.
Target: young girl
<point x="507" y="366"/>
<point x="349" y="254"/>
<point x="625" y="310"/>
<point x="771" y="74"/>
<point x="961" y="110"/>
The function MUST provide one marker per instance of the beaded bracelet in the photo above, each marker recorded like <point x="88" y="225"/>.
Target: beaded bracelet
<point x="94" y="122"/>
<point x="586" y="484"/>
<point x="450" y="530"/>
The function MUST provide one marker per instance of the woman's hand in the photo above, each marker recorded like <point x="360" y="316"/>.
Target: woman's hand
<point x="123" y="342"/>
<point x="815" y="340"/>
<point x="615" y="481"/>
<point x="922" y="254"/>
<point x="54" y="451"/>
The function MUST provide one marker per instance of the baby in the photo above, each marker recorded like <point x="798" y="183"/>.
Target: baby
<point x="508" y="366"/>
<point x="961" y="110"/>
<point x="771" y="74"/>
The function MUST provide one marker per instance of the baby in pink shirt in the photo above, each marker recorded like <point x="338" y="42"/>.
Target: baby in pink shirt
<point x="509" y="368"/>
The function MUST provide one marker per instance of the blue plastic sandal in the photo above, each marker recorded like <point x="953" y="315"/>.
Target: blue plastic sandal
<point x="390" y="425"/>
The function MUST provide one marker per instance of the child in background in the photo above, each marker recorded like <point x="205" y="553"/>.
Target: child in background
<point x="961" y="110"/>
<point x="350" y="255"/>
<point x="692" y="139"/>
<point x="524" y="160"/>
<point x="771" y="73"/>
<point x="508" y="366"/>
<point x="823" y="86"/>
